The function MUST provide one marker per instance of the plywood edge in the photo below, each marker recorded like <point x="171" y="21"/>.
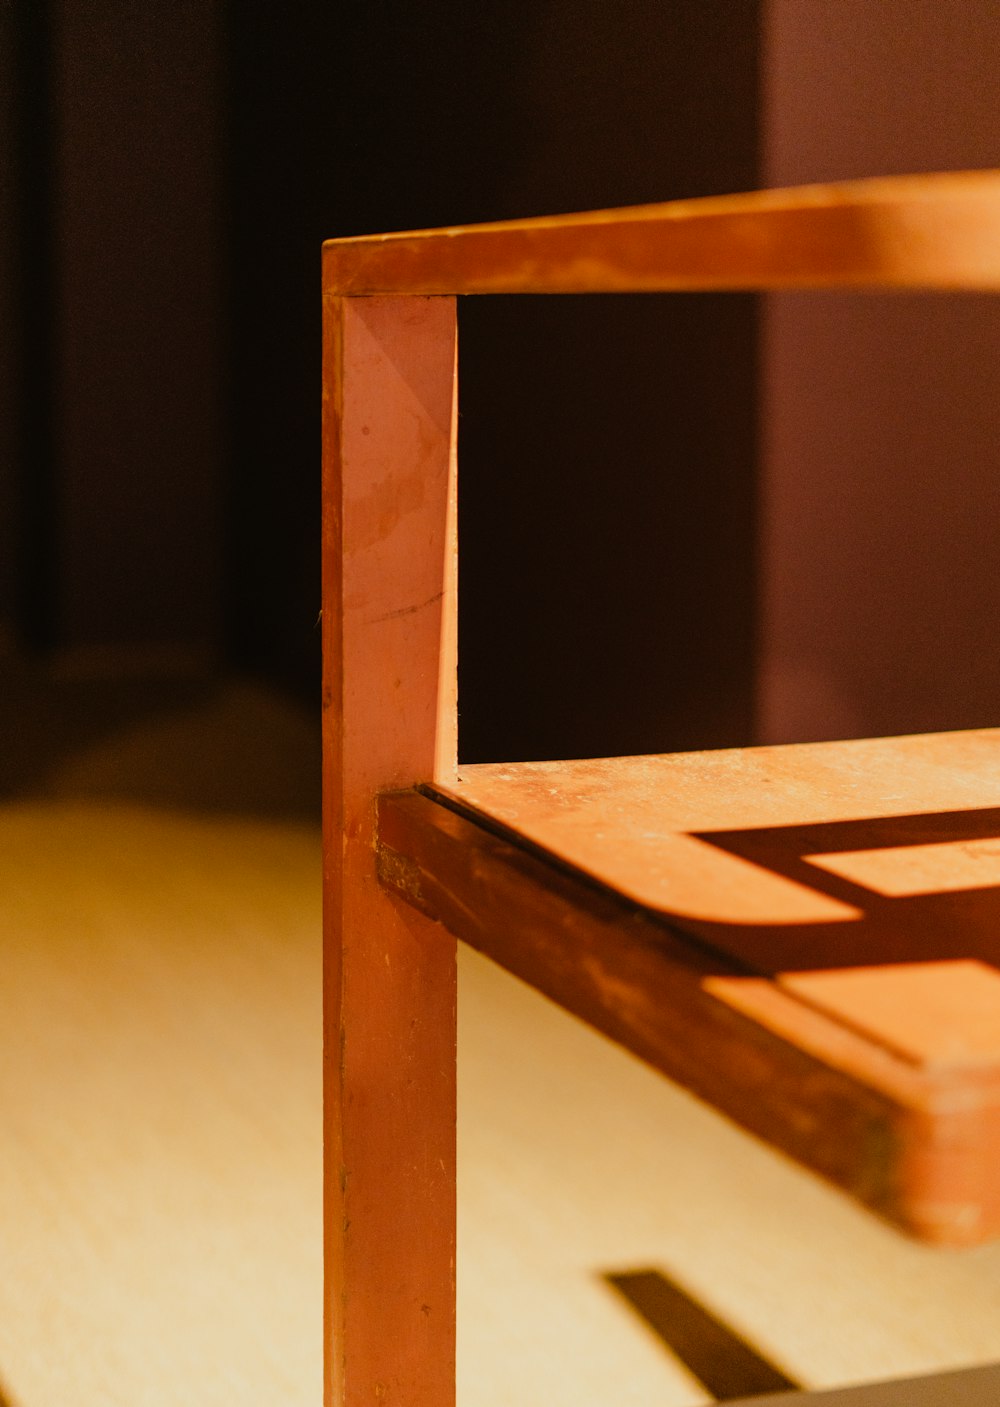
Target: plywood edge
<point x="940" y="230"/>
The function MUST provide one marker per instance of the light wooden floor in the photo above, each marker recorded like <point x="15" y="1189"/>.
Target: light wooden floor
<point x="159" y="1082"/>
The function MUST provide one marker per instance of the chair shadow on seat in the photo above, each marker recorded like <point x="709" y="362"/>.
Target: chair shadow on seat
<point x="923" y="888"/>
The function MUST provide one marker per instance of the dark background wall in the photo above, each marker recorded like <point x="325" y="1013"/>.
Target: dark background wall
<point x="8" y="321"/>
<point x="684" y="520"/>
<point x="588" y="426"/>
<point x="179" y="165"/>
<point x="115" y="204"/>
<point x="137" y="295"/>
<point x="880" y="464"/>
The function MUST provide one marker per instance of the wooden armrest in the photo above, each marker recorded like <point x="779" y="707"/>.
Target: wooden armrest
<point x="806" y="936"/>
<point x="719" y="913"/>
<point x="928" y="231"/>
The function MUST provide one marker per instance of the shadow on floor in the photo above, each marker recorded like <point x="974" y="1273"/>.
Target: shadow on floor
<point x="200" y="742"/>
<point x="724" y="1363"/>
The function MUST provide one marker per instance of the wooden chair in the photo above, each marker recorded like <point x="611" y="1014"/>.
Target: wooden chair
<point x="806" y="936"/>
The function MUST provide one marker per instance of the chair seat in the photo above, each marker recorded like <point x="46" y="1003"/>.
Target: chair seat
<point x="807" y="936"/>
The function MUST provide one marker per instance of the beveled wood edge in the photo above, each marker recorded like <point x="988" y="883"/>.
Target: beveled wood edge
<point x="940" y="230"/>
<point x="899" y="1138"/>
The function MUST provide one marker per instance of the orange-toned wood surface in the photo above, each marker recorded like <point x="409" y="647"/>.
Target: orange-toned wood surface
<point x="389" y="974"/>
<point x="933" y="231"/>
<point x="806" y="935"/>
<point x="802" y="935"/>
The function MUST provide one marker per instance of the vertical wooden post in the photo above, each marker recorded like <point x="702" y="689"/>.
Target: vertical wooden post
<point x="389" y="974"/>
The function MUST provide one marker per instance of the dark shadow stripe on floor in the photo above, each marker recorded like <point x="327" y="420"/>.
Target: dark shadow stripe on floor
<point x="726" y="1365"/>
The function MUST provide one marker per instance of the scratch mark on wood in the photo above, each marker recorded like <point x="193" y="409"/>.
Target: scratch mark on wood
<point x="408" y="610"/>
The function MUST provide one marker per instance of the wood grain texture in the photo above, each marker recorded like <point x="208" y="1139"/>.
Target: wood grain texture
<point x="389" y="978"/>
<point x="929" y="231"/>
<point x="676" y="904"/>
<point x="759" y="849"/>
<point x="159" y="1076"/>
<point x="159" y="1080"/>
<point x="575" y="1154"/>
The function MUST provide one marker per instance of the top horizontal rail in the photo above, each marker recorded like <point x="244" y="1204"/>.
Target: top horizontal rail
<point x="939" y="231"/>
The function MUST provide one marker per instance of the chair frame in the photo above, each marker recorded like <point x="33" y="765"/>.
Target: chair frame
<point x="389" y="693"/>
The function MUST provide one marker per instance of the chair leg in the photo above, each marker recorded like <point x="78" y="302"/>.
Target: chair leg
<point x="389" y="973"/>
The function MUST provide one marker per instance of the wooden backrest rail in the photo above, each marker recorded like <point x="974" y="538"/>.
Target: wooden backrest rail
<point x="937" y="231"/>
